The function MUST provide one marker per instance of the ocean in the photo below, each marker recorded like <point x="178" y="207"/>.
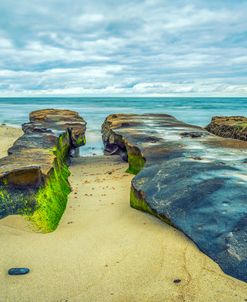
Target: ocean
<point x="197" y="111"/>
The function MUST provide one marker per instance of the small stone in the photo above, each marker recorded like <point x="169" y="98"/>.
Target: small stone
<point x="177" y="281"/>
<point x="193" y="134"/>
<point x="18" y="271"/>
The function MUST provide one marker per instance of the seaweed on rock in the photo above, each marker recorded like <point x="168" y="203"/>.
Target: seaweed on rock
<point x="52" y="197"/>
<point x="34" y="177"/>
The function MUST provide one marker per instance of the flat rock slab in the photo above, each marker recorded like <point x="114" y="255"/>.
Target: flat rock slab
<point x="36" y="167"/>
<point x="189" y="178"/>
<point x="229" y="126"/>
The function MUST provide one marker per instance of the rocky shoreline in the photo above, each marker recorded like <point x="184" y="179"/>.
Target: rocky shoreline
<point x="229" y="126"/>
<point x="34" y="176"/>
<point x="185" y="176"/>
<point x="188" y="178"/>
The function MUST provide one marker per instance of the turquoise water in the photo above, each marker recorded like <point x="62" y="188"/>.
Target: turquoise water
<point x="198" y="111"/>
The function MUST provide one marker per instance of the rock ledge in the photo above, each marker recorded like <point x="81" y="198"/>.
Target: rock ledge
<point x="34" y="176"/>
<point x="188" y="178"/>
<point x="229" y="126"/>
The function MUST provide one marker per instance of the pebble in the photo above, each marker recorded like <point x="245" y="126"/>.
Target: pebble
<point x="18" y="271"/>
<point x="177" y="281"/>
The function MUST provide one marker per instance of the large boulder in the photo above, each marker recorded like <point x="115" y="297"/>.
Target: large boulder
<point x="34" y="176"/>
<point x="229" y="126"/>
<point x="188" y="178"/>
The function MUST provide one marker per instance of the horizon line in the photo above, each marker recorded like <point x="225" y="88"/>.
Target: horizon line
<point x="120" y="96"/>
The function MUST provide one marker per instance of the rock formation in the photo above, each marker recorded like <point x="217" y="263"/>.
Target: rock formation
<point x="34" y="176"/>
<point x="189" y="178"/>
<point x="229" y="126"/>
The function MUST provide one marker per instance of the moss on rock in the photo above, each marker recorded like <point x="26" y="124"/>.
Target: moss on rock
<point x="34" y="175"/>
<point x="241" y="126"/>
<point x="138" y="203"/>
<point x="81" y="141"/>
<point x="52" y="197"/>
<point x="135" y="159"/>
<point x="51" y="201"/>
<point x="136" y="163"/>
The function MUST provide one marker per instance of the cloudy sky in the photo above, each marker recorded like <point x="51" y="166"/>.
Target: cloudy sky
<point x="109" y="47"/>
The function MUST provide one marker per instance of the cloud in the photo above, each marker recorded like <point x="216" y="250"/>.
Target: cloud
<point x="151" y="47"/>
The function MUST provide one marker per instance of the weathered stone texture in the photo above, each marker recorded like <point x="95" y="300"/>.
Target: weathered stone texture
<point x="229" y="126"/>
<point x="35" y="174"/>
<point x="189" y="178"/>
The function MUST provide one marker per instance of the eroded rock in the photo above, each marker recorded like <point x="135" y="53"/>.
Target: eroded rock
<point x="34" y="176"/>
<point x="229" y="126"/>
<point x="196" y="183"/>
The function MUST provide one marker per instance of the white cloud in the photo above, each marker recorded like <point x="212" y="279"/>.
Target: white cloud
<point x="123" y="48"/>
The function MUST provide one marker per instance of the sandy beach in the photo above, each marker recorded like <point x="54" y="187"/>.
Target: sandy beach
<point x="103" y="250"/>
<point x="7" y="137"/>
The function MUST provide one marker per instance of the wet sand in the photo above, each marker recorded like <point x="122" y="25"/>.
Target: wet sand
<point x="103" y="250"/>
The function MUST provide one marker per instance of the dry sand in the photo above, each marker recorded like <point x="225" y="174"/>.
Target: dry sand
<point x="103" y="250"/>
<point x="7" y="137"/>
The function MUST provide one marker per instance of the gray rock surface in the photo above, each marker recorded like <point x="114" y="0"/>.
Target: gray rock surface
<point x="191" y="179"/>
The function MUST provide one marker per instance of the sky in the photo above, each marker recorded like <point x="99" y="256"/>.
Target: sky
<point x="123" y="48"/>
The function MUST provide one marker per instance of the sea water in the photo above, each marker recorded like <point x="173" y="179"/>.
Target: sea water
<point x="197" y="111"/>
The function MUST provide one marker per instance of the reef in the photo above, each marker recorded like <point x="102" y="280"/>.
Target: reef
<point x="34" y="175"/>
<point x="229" y="126"/>
<point x="188" y="178"/>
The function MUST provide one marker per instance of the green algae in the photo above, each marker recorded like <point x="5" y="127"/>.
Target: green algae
<point x="138" y="203"/>
<point x="43" y="206"/>
<point x="5" y="182"/>
<point x="4" y="195"/>
<point x="241" y="125"/>
<point x="136" y="163"/>
<point x="16" y="201"/>
<point x="81" y="141"/>
<point x="51" y="201"/>
<point x="52" y="198"/>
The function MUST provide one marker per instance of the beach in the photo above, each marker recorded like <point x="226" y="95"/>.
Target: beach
<point x="8" y="135"/>
<point x="103" y="250"/>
